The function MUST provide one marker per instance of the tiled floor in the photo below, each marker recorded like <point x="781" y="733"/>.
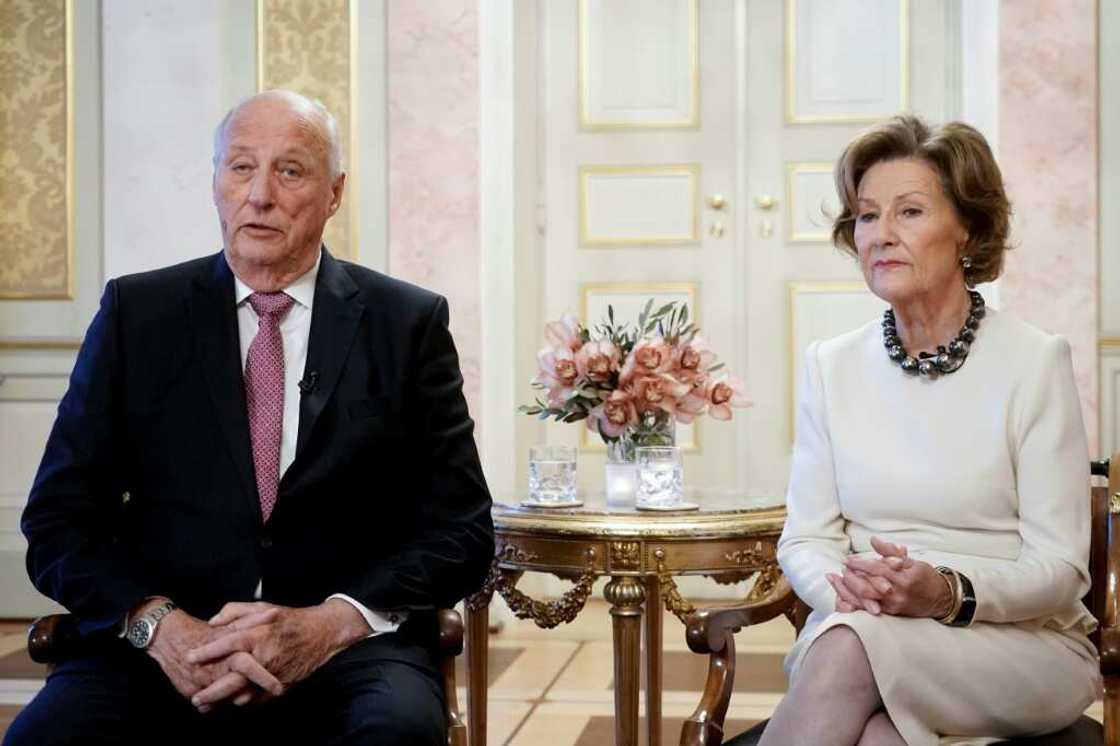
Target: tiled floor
<point x="556" y="686"/>
<point x="13" y="638"/>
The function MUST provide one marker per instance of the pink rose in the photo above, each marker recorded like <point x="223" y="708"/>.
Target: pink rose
<point x="563" y="334"/>
<point x="692" y="405"/>
<point x="660" y="392"/>
<point x="696" y="356"/>
<point x="597" y="360"/>
<point x="558" y="373"/>
<point x="724" y="394"/>
<point x="613" y="416"/>
<point x="648" y="357"/>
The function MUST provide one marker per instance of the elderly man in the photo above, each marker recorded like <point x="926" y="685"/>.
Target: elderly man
<point x="262" y="481"/>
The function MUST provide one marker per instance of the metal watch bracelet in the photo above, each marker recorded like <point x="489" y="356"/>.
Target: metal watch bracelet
<point x="142" y="630"/>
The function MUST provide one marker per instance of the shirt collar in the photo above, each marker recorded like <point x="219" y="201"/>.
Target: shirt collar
<point x="302" y="290"/>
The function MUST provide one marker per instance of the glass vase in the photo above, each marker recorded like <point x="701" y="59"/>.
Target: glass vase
<point x="621" y="470"/>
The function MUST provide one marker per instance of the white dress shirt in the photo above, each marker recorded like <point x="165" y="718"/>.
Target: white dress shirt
<point x="295" y="330"/>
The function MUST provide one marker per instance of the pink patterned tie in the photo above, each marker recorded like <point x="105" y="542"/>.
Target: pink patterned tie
<point x="264" y="393"/>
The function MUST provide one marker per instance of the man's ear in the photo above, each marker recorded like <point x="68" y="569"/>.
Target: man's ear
<point x="337" y="188"/>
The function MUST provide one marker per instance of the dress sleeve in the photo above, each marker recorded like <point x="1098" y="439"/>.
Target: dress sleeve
<point x="1052" y="479"/>
<point x="813" y="542"/>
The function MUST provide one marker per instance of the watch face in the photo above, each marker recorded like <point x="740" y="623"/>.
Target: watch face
<point x="140" y="633"/>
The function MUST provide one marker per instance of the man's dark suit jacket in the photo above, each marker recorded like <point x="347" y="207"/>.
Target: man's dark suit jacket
<point x="147" y="486"/>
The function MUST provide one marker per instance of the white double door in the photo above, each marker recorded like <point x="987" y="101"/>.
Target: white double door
<point x="682" y="150"/>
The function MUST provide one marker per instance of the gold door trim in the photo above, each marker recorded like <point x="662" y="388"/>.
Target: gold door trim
<point x="691" y="170"/>
<point x="793" y="169"/>
<point x="792" y="117"/>
<point x="794" y="289"/>
<point x="584" y="77"/>
<point x="40" y="344"/>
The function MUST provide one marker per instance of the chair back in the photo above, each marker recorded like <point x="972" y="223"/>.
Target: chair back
<point x="1098" y="553"/>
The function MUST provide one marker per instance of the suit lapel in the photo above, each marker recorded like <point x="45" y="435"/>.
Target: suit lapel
<point x="335" y="316"/>
<point x="213" y="314"/>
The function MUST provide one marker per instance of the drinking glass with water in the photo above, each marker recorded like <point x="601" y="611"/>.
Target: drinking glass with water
<point x="660" y="477"/>
<point x="552" y="475"/>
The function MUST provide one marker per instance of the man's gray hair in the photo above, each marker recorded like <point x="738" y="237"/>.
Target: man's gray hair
<point x="311" y="108"/>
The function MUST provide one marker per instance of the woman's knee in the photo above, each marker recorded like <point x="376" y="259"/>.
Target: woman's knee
<point x="841" y="645"/>
<point x="839" y="662"/>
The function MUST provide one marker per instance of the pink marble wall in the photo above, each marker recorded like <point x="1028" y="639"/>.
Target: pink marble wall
<point x="433" y="157"/>
<point x="1048" y="152"/>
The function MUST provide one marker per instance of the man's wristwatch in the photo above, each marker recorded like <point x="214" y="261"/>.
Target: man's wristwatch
<point x="142" y="630"/>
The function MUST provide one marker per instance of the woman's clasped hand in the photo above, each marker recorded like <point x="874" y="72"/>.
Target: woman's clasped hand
<point x="892" y="583"/>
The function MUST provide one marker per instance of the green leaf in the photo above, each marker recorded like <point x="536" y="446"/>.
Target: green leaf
<point x="684" y="313"/>
<point x="643" y="317"/>
<point x="714" y="368"/>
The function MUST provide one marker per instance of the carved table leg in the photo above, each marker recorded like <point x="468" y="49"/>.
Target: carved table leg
<point x="653" y="660"/>
<point x="478" y="633"/>
<point x="625" y="595"/>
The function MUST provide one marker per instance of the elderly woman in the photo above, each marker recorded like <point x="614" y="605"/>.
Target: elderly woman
<point x="938" y="520"/>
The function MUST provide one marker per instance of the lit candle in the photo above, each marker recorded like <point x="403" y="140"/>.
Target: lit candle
<point x="621" y="484"/>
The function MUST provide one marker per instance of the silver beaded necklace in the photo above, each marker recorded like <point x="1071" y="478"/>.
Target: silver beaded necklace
<point x="948" y="358"/>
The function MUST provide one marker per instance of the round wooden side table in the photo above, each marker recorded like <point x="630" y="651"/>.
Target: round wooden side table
<point x="731" y="537"/>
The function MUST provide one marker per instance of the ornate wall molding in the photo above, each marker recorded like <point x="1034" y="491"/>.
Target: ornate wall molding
<point x="310" y="46"/>
<point x="36" y="150"/>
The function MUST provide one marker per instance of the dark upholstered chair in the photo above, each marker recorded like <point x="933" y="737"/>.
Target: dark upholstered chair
<point x="711" y="631"/>
<point x="55" y="638"/>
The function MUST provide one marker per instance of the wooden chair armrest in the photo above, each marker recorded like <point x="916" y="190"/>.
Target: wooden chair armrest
<point x="1110" y="650"/>
<point x="450" y="646"/>
<point x="450" y="632"/>
<point x="707" y="629"/>
<point x="1108" y="615"/>
<point x="53" y="638"/>
<point x="711" y="631"/>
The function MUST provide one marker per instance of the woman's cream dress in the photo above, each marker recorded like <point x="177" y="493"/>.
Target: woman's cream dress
<point x="984" y="470"/>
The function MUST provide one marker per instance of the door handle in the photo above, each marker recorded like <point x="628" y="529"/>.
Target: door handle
<point x="765" y="202"/>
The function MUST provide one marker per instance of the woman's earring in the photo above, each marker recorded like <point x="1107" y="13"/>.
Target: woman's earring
<point x="966" y="262"/>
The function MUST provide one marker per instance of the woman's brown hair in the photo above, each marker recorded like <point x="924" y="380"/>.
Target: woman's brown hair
<point x="972" y="181"/>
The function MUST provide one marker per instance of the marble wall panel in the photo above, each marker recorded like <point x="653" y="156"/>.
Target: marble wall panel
<point x="1048" y="152"/>
<point x="433" y="92"/>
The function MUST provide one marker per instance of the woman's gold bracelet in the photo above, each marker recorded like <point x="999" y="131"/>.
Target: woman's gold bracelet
<point x="953" y="580"/>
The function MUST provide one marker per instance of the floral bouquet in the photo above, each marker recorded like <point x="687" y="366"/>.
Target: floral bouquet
<point x="632" y="383"/>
